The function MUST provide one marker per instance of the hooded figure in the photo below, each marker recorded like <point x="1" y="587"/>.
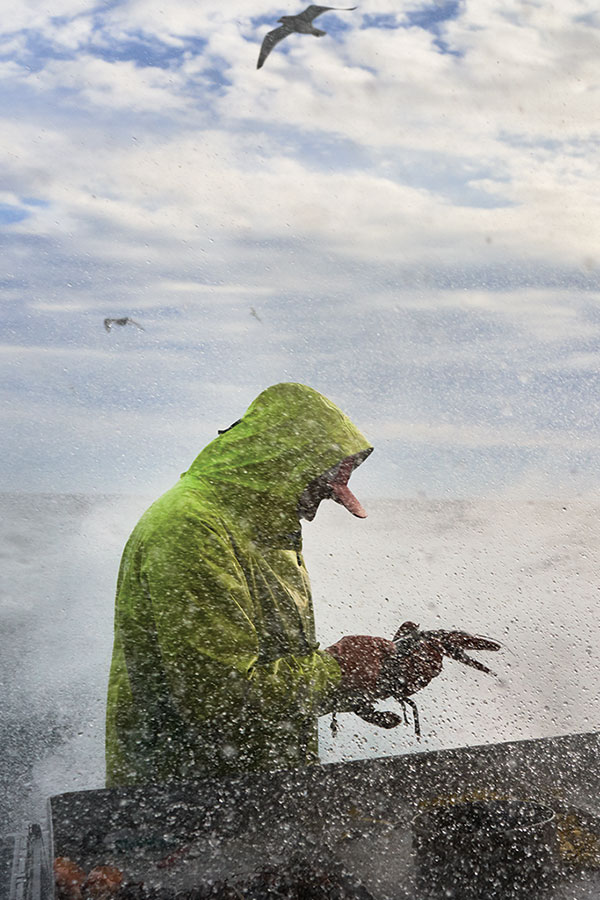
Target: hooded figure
<point x="216" y="669"/>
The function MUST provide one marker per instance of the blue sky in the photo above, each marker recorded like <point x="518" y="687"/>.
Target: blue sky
<point x="409" y="203"/>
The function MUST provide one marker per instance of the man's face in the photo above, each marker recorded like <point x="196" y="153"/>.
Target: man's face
<point x="310" y="498"/>
<point x="331" y="485"/>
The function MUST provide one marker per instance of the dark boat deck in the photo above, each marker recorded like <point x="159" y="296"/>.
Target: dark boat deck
<point x="353" y="817"/>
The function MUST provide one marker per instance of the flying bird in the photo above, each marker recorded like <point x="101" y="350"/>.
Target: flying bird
<point x="255" y="314"/>
<point x="301" y="23"/>
<point x="108" y="323"/>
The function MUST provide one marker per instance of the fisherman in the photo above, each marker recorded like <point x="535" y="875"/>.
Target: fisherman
<point x="216" y="669"/>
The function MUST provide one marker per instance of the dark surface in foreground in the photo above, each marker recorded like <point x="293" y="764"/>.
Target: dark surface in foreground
<point x="221" y="836"/>
<point x="300" y="879"/>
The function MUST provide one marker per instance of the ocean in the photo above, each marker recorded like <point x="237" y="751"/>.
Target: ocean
<point x="522" y="571"/>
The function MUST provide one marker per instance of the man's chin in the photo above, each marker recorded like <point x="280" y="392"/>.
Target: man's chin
<point x="308" y="511"/>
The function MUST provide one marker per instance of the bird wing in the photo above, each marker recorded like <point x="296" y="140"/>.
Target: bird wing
<point x="271" y="39"/>
<point x="107" y="324"/>
<point x="137" y="324"/>
<point x="311" y="12"/>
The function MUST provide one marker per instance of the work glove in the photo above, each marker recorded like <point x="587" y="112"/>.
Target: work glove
<point x="361" y="659"/>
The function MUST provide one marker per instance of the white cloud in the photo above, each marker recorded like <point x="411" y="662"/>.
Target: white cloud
<point x="204" y="187"/>
<point x="418" y="99"/>
<point x="117" y="85"/>
<point x="34" y="15"/>
<point x="347" y="173"/>
<point x="71" y="34"/>
<point x="479" y="436"/>
<point x="199" y="289"/>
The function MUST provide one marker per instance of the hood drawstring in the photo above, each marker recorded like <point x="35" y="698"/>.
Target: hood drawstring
<point x="229" y="427"/>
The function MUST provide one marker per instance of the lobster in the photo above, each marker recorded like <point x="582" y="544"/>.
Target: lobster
<point x="417" y="661"/>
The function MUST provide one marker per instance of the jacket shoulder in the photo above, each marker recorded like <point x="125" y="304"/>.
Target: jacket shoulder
<point x="176" y="516"/>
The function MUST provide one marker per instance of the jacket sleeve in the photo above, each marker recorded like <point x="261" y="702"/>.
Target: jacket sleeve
<point x="206" y="624"/>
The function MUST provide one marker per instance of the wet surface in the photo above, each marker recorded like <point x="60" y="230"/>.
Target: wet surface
<point x="357" y="816"/>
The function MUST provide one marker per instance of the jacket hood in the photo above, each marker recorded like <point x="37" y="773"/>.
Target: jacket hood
<point x="287" y="437"/>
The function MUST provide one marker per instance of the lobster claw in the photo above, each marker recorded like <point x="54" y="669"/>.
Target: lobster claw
<point x="475" y="641"/>
<point x="454" y="644"/>
<point x="381" y="718"/>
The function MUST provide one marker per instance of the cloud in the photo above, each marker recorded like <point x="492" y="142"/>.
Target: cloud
<point x="482" y="436"/>
<point x="409" y="203"/>
<point x="30" y="15"/>
<point x="118" y="85"/>
<point x="199" y="289"/>
<point x="193" y="189"/>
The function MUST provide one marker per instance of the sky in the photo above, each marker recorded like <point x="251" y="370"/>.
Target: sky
<point x="403" y="213"/>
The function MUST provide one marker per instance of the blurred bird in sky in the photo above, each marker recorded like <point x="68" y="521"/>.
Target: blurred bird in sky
<point x="255" y="314"/>
<point x="301" y="23"/>
<point x="108" y="323"/>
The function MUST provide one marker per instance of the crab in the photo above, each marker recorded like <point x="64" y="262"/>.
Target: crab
<point x="417" y="661"/>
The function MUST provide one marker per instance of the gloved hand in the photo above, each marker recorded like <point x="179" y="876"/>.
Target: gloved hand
<point x="361" y="659"/>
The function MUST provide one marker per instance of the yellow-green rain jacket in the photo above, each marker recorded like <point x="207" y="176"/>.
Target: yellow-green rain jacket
<point x="215" y="666"/>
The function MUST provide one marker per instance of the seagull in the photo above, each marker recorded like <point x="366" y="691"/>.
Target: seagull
<point x="255" y="314"/>
<point x="301" y="23"/>
<point x="108" y="323"/>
